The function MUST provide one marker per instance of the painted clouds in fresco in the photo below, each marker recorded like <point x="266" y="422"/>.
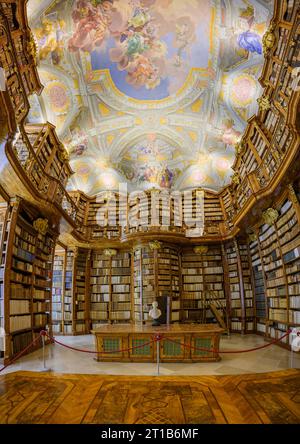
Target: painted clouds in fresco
<point x="146" y="44"/>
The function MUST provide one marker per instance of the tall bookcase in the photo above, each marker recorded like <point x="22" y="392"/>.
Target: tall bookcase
<point x="248" y="307"/>
<point x="120" y="275"/>
<point x="157" y="274"/>
<point x="144" y="282"/>
<point x="100" y="289"/>
<point x="27" y="260"/>
<point x="192" y="299"/>
<point x="81" y="294"/>
<point x="3" y="240"/>
<point x="260" y="304"/>
<point x="58" y="290"/>
<point x="276" y="264"/>
<point x="68" y="293"/>
<point x="202" y="283"/>
<point x="110" y="287"/>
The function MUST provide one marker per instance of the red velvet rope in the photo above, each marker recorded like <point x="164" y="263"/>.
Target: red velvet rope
<point x="97" y="352"/>
<point x="211" y="350"/>
<point x="157" y="338"/>
<point x="21" y="353"/>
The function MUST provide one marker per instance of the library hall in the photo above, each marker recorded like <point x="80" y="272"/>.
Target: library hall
<point x="149" y="214"/>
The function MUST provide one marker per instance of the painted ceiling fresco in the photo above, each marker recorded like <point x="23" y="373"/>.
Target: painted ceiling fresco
<point x="154" y="93"/>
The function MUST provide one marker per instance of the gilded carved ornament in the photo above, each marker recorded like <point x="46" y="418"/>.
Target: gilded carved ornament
<point x="270" y="216"/>
<point x="63" y="155"/>
<point x="268" y="39"/>
<point x="41" y="226"/>
<point x="235" y="179"/>
<point x="252" y="237"/>
<point x="110" y="252"/>
<point x="264" y="103"/>
<point x="201" y="249"/>
<point x="240" y="147"/>
<point x="292" y="195"/>
<point x="154" y="245"/>
<point x="32" y="47"/>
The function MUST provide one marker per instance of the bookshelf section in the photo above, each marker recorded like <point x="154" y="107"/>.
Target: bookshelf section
<point x="58" y="290"/>
<point x="144" y="282"/>
<point x="202" y="284"/>
<point x="3" y="244"/>
<point x="100" y="289"/>
<point x="80" y="302"/>
<point x="110" y="288"/>
<point x="235" y="299"/>
<point x="260" y="305"/>
<point x="27" y="260"/>
<point x="68" y="293"/>
<point x="248" y="309"/>
<point x="275" y="257"/>
<point x="120" y="271"/>
<point x="192" y="297"/>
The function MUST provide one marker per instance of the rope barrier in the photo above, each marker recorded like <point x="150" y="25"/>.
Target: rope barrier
<point x="21" y="353"/>
<point x="211" y="350"/>
<point x="97" y="352"/>
<point x="157" y="338"/>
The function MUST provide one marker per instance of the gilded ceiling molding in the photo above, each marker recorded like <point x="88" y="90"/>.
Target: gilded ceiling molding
<point x="186" y="95"/>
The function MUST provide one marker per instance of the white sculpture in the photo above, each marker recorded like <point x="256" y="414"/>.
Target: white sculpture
<point x="295" y="336"/>
<point x="155" y="313"/>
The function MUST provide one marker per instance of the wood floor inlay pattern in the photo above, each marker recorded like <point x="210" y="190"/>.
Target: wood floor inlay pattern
<point x="39" y="398"/>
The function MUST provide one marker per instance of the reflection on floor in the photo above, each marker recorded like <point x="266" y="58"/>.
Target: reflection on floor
<point x="28" y="397"/>
<point x="61" y="360"/>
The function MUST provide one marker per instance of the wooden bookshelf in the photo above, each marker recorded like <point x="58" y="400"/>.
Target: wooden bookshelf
<point x="145" y="279"/>
<point x="27" y="262"/>
<point x="58" y="290"/>
<point x="120" y="272"/>
<point x="235" y="285"/>
<point x="81" y="292"/>
<point x="202" y="284"/>
<point x="247" y="302"/>
<point x="260" y="300"/>
<point x="110" y="288"/>
<point x="3" y="240"/>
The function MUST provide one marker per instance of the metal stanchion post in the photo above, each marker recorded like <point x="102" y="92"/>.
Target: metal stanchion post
<point x="45" y="368"/>
<point x="157" y="355"/>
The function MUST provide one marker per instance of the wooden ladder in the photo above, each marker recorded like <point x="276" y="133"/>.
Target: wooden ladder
<point x="218" y="316"/>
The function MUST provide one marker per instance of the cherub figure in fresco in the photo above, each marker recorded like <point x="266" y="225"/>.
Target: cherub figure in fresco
<point x="230" y="136"/>
<point x="139" y="49"/>
<point x="91" y="19"/>
<point x="249" y="39"/>
<point x="50" y="37"/>
<point x="77" y="143"/>
<point x="184" y="36"/>
<point x="166" y="179"/>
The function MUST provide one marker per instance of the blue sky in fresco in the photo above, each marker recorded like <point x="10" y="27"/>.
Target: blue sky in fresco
<point x="199" y="56"/>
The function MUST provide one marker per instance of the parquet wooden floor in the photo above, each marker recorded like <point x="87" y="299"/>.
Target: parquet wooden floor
<point x="28" y="397"/>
